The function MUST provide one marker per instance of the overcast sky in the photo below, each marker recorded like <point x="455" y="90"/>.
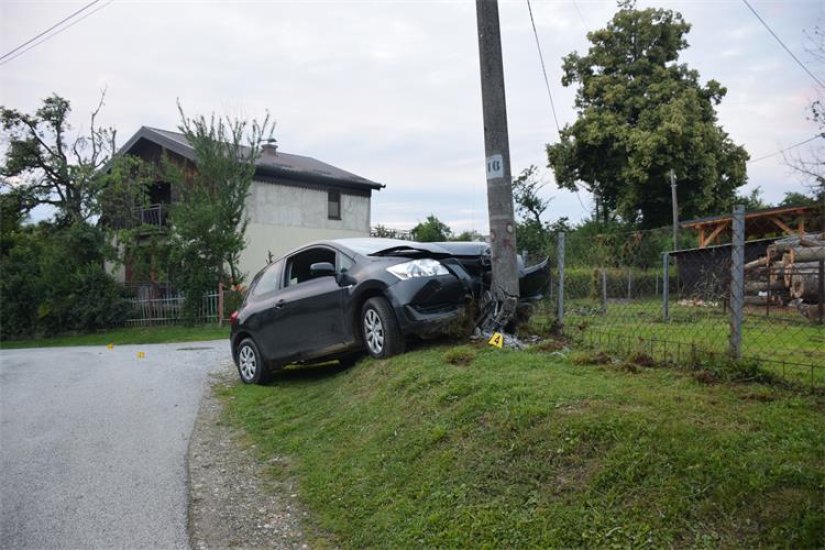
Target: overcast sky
<point x="390" y="90"/>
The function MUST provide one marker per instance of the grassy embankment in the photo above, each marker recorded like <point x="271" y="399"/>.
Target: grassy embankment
<point x="474" y="447"/>
<point x="125" y="336"/>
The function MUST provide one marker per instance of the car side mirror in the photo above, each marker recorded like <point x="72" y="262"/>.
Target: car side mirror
<point x="345" y="279"/>
<point x="321" y="269"/>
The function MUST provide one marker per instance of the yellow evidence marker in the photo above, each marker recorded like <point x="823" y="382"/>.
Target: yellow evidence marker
<point x="110" y="346"/>
<point x="496" y="340"/>
<point x="141" y="355"/>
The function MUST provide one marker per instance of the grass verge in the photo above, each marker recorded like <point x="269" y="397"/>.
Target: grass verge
<point x="125" y="336"/>
<point x="486" y="448"/>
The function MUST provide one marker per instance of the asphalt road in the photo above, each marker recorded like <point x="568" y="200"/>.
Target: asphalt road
<point x="93" y="444"/>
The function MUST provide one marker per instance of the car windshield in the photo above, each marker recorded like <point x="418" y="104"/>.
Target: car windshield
<point x="375" y="246"/>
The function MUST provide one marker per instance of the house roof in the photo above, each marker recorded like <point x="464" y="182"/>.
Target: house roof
<point x="276" y="165"/>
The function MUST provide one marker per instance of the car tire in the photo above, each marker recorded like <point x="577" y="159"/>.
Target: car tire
<point x="379" y="328"/>
<point x="251" y="367"/>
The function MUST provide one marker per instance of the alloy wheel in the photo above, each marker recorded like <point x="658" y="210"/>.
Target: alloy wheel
<point x="247" y="362"/>
<point x="374" y="331"/>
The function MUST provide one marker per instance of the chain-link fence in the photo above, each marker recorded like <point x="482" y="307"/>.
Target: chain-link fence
<point x="759" y="300"/>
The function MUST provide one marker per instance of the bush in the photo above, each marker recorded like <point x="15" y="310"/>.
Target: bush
<point x="53" y="281"/>
<point x="587" y="283"/>
<point x="20" y="278"/>
<point x="97" y="301"/>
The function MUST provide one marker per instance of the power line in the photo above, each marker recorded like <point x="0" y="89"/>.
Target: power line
<point x="786" y="149"/>
<point x="581" y="16"/>
<point x="34" y="42"/>
<point x="798" y="62"/>
<point x="543" y="68"/>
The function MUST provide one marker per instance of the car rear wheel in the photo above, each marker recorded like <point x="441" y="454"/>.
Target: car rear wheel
<point x="382" y="338"/>
<point x="250" y="366"/>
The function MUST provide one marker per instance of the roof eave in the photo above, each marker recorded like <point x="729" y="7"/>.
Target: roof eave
<point x="317" y="178"/>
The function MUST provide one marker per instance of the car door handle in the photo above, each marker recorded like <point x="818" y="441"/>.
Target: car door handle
<point x="280" y="304"/>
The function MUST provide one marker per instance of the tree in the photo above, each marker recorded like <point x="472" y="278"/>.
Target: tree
<point x="532" y="231"/>
<point x="468" y="236"/>
<point x="753" y="201"/>
<point x="47" y="167"/>
<point x="209" y="219"/>
<point x="431" y="230"/>
<point x="641" y="114"/>
<point x="793" y="198"/>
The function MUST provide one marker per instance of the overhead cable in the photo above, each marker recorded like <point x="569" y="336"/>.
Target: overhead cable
<point x="798" y="62"/>
<point x="44" y="36"/>
<point x="544" y="69"/>
<point x="801" y="143"/>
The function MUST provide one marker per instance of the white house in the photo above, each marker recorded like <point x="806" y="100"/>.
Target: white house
<point x="293" y="199"/>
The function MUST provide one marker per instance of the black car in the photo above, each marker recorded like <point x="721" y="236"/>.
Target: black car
<point x="332" y="299"/>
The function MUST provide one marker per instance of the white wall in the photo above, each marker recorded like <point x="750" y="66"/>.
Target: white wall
<point x="284" y="217"/>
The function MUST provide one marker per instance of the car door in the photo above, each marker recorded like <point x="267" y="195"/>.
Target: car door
<point x="309" y="308"/>
<point x="264" y="312"/>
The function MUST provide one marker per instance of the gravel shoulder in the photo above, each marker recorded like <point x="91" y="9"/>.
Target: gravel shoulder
<point x="231" y="503"/>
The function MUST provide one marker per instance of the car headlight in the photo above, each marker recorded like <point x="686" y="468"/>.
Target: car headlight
<point x="418" y="268"/>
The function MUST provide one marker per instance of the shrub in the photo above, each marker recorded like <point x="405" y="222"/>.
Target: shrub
<point x="53" y="281"/>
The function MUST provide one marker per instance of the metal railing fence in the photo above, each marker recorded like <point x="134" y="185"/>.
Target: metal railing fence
<point x="168" y="310"/>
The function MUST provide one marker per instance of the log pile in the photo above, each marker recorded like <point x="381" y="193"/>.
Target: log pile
<point x="789" y="273"/>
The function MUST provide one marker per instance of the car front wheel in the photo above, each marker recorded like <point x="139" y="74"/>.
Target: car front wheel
<point x="382" y="337"/>
<point x="250" y="366"/>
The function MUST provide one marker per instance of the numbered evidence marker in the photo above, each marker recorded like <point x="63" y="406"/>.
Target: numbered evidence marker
<point x="110" y="346"/>
<point x="141" y="355"/>
<point x="496" y="340"/>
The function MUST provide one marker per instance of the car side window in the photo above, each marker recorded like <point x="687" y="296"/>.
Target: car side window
<point x="298" y="266"/>
<point x="268" y="282"/>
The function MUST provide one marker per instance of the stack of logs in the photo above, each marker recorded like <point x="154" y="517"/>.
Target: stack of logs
<point x="789" y="271"/>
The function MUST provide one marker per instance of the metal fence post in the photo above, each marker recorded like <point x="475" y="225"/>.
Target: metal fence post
<point x="665" y="287"/>
<point x="821" y="292"/>
<point x="604" y="290"/>
<point x="737" y="281"/>
<point x="560" y="254"/>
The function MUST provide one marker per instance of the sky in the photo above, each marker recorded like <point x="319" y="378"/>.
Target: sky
<point x="390" y="90"/>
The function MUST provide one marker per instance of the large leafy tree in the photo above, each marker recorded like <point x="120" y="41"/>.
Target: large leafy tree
<point x="209" y="218"/>
<point x="641" y="114"/>
<point x="46" y="164"/>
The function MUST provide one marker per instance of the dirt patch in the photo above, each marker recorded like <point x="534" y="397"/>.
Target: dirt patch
<point x="231" y="504"/>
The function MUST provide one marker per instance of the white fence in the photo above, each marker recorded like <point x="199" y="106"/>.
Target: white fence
<point x="167" y="311"/>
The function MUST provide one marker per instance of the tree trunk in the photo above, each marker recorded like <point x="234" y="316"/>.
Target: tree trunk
<point x="754" y="287"/>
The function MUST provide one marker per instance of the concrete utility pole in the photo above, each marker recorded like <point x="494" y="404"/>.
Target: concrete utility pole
<point x="675" y="209"/>
<point x="497" y="150"/>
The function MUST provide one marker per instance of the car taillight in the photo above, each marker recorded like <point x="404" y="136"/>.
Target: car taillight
<point x="233" y="319"/>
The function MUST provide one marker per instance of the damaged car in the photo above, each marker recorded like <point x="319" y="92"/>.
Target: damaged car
<point x="335" y="299"/>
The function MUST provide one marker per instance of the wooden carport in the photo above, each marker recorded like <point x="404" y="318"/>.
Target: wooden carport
<point x="782" y="220"/>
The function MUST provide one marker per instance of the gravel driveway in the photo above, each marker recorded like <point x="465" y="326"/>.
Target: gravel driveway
<point x="93" y="443"/>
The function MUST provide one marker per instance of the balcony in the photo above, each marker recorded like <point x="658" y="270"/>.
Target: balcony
<point x="151" y="215"/>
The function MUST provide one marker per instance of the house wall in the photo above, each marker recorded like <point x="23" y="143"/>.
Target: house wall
<point x="283" y="217"/>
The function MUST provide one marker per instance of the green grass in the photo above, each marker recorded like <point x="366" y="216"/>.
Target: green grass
<point x="124" y="336"/>
<point x="481" y="448"/>
<point x="786" y="343"/>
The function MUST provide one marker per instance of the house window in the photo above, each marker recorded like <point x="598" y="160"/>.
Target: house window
<point x="334" y="204"/>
